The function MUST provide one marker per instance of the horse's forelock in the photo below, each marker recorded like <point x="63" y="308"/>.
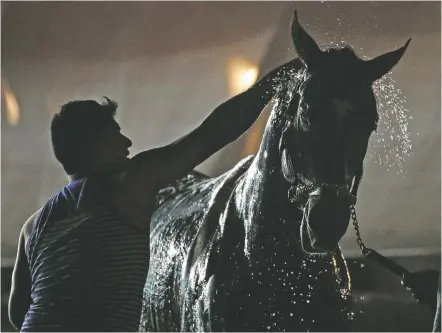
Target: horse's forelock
<point x="344" y="55"/>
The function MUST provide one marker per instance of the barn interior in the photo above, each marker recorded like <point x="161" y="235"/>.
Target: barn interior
<point x="168" y="64"/>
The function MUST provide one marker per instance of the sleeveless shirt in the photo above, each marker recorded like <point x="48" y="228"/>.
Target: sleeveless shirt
<point x="88" y="267"/>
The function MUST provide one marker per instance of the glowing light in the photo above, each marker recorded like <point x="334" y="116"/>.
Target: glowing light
<point x="249" y="77"/>
<point x="241" y="75"/>
<point x="12" y="107"/>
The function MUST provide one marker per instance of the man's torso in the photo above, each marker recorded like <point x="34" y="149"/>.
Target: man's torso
<point x="88" y="263"/>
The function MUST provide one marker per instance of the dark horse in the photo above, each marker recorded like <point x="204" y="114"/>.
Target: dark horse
<point x="256" y="249"/>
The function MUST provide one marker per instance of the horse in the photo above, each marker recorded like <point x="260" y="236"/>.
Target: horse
<point x="256" y="249"/>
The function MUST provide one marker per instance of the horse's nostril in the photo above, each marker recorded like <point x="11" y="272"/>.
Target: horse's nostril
<point x="327" y="219"/>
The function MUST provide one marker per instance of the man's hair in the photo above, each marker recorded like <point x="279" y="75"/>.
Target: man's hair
<point x="75" y="130"/>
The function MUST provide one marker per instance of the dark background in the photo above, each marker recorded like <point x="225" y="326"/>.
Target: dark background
<point x="166" y="64"/>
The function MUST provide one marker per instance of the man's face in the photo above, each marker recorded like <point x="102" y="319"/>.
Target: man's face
<point x="112" y="147"/>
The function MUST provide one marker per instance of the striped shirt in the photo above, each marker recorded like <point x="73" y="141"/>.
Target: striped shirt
<point x="88" y="267"/>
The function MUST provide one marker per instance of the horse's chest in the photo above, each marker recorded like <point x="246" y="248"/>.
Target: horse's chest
<point x="285" y="297"/>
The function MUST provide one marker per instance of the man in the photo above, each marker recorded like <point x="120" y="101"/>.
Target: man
<point x="83" y="258"/>
<point x="425" y="288"/>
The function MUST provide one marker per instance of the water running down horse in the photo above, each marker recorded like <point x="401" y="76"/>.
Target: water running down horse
<point x="256" y="249"/>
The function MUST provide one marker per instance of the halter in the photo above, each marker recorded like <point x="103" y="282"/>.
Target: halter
<point x="299" y="193"/>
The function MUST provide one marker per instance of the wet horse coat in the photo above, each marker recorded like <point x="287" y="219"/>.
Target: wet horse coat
<point x="225" y="254"/>
<point x="256" y="248"/>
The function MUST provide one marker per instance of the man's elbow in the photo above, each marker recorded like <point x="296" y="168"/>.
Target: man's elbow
<point x="14" y="320"/>
<point x="16" y="313"/>
<point x="14" y="323"/>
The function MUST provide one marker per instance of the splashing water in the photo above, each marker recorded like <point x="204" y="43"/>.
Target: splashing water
<point x="390" y="144"/>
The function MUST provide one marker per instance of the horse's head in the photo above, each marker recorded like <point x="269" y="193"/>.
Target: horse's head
<point x="329" y="122"/>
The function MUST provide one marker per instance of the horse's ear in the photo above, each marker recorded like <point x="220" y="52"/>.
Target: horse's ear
<point x="376" y="68"/>
<point x="305" y="45"/>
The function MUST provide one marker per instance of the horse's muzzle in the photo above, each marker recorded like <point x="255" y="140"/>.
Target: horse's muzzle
<point x="326" y="218"/>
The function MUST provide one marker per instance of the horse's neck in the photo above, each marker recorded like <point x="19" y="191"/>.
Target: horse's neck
<point x="264" y="176"/>
<point x="261" y="197"/>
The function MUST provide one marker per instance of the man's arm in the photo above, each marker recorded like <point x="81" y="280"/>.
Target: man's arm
<point x="223" y="126"/>
<point x="20" y="296"/>
<point x="424" y="286"/>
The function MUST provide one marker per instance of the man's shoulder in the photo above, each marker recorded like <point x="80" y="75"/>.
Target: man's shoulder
<point x="29" y="224"/>
<point x="53" y="205"/>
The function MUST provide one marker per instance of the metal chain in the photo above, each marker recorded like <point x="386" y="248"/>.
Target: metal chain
<point x="356" y="227"/>
<point x="296" y="194"/>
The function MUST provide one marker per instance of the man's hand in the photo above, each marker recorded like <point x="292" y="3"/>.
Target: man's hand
<point x="423" y="285"/>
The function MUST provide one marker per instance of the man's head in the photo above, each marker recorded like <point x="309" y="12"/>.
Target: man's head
<point x="86" y="138"/>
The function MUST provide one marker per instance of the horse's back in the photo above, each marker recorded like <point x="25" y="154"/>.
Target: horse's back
<point x="182" y="228"/>
<point x="173" y="226"/>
